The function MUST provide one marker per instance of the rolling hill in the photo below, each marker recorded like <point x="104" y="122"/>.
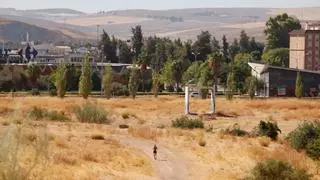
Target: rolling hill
<point x="16" y="31"/>
<point x="182" y="23"/>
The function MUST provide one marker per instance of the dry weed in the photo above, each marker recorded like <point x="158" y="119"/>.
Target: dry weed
<point x="264" y="141"/>
<point x="68" y="159"/>
<point x="61" y="143"/>
<point x="145" y="132"/>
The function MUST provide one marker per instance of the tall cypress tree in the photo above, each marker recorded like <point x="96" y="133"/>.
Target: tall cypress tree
<point x="137" y="40"/>
<point x="225" y="48"/>
<point x="134" y="82"/>
<point x="85" y="84"/>
<point x="60" y="80"/>
<point x="231" y="86"/>
<point x="107" y="81"/>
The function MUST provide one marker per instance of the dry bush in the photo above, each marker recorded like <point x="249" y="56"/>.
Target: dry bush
<point x="91" y="157"/>
<point x="97" y="136"/>
<point x="17" y="146"/>
<point x="92" y="113"/>
<point x="264" y="141"/>
<point x="145" y="132"/>
<point x="5" y="123"/>
<point x="202" y="142"/>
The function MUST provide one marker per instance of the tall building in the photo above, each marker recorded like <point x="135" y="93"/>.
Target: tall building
<point x="305" y="48"/>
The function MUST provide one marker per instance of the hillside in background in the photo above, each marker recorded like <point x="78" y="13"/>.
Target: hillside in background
<point x="16" y="31"/>
<point x="182" y="23"/>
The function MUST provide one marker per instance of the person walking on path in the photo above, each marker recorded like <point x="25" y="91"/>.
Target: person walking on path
<point x="155" y="151"/>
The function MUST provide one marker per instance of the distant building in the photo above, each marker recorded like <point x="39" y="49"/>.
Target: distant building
<point x="305" y="48"/>
<point x="51" y="49"/>
<point x="279" y="81"/>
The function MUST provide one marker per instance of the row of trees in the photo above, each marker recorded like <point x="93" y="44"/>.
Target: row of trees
<point x="205" y="62"/>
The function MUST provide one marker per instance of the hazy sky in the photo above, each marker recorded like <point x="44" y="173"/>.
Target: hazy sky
<point x="95" y="5"/>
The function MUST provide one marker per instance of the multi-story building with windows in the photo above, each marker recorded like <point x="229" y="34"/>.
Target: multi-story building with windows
<point x="305" y="48"/>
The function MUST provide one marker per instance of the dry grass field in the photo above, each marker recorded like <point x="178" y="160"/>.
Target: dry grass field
<point x="77" y="150"/>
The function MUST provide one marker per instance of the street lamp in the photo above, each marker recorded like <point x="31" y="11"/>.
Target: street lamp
<point x="195" y="55"/>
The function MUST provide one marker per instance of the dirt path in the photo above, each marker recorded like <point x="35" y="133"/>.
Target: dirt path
<point x="169" y="166"/>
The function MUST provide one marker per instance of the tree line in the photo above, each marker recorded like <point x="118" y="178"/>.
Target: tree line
<point x="205" y="62"/>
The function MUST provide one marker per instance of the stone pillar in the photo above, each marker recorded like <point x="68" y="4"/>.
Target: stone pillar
<point x="187" y="105"/>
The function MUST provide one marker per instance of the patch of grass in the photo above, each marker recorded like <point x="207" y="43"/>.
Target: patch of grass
<point x="187" y="123"/>
<point x="61" y="143"/>
<point x="65" y="159"/>
<point x="97" y="137"/>
<point x="145" y="132"/>
<point x="22" y="151"/>
<point x="264" y="141"/>
<point x="235" y="131"/>
<point x="92" y="113"/>
<point x="224" y="114"/>
<point x="88" y="156"/>
<point x="275" y="169"/>
<point x="41" y="113"/>
<point x="57" y="116"/>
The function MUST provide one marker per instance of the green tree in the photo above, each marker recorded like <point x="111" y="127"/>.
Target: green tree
<point x="137" y="40"/>
<point x="177" y="72"/>
<point x="85" y="84"/>
<point x="33" y="75"/>
<point x="251" y="86"/>
<point x="203" y="45"/>
<point x="107" y="81"/>
<point x="167" y="74"/>
<point x="109" y="51"/>
<point x="231" y="86"/>
<point x="192" y="73"/>
<point x="277" y="57"/>
<point x="60" y="80"/>
<point x="244" y="42"/>
<point x="253" y="46"/>
<point x="134" y="82"/>
<point x="125" y="55"/>
<point x="234" y="48"/>
<point x="242" y="57"/>
<point x="225" y="49"/>
<point x="278" y="29"/>
<point x="156" y="80"/>
<point x="206" y="78"/>
<point x="299" y="86"/>
<point x="215" y="45"/>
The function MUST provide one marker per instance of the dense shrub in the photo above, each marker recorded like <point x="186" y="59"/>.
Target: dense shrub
<point x="313" y="149"/>
<point x="91" y="113"/>
<point x="186" y="123"/>
<point x="268" y="129"/>
<point x="40" y="113"/>
<point x="118" y="89"/>
<point x="57" y="116"/>
<point x="37" y="113"/>
<point x="35" y="92"/>
<point x="303" y="134"/>
<point x="277" y="170"/>
<point x="53" y="92"/>
<point x="235" y="131"/>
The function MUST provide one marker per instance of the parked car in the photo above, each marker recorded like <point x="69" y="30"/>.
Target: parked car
<point x="194" y="94"/>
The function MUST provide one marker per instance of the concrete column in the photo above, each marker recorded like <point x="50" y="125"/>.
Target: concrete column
<point x="187" y="105"/>
<point x="212" y="100"/>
